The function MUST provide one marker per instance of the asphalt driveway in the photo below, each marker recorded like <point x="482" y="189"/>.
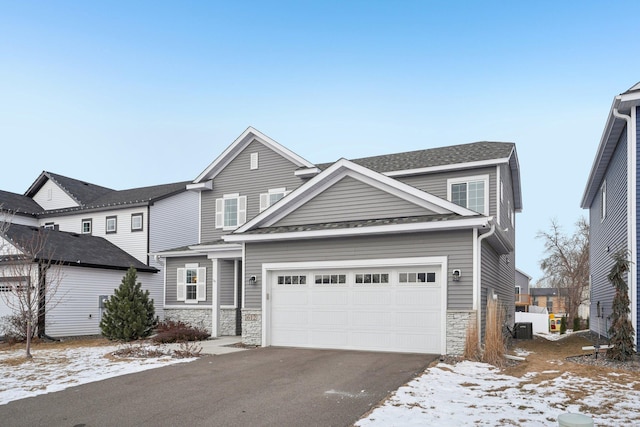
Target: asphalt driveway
<point x="261" y="387"/>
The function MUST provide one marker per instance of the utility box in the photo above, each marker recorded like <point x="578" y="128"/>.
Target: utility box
<point x="523" y="330"/>
<point x="101" y="300"/>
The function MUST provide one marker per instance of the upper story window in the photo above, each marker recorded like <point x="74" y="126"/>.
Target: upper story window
<point x="136" y="222"/>
<point x="111" y="224"/>
<point x="50" y="225"/>
<point x="231" y="211"/>
<point x="470" y="192"/>
<point x="272" y="196"/>
<point x="603" y="201"/>
<point x="254" y="161"/>
<point x="191" y="283"/>
<point x="87" y="226"/>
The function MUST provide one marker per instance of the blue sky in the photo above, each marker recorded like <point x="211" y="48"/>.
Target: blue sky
<point x="128" y="94"/>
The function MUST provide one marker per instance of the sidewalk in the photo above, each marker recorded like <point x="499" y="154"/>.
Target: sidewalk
<point x="220" y="345"/>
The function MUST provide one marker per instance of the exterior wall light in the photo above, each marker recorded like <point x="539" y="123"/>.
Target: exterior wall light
<point x="252" y="280"/>
<point x="456" y="275"/>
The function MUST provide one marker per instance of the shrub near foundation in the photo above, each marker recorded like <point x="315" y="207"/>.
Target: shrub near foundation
<point x="171" y="331"/>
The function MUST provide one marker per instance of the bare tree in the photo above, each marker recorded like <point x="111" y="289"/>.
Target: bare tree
<point x="30" y="277"/>
<point x="566" y="265"/>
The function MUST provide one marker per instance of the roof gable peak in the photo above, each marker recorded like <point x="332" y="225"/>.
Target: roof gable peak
<point x="249" y="135"/>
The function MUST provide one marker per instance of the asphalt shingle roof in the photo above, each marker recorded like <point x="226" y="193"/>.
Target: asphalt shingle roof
<point x="355" y="224"/>
<point x="431" y="157"/>
<point x="83" y="192"/>
<point x="75" y="249"/>
<point x="18" y="204"/>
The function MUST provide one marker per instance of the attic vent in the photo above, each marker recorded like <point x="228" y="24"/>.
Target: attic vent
<point x="254" y="161"/>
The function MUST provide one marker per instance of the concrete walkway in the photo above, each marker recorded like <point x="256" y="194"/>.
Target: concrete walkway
<point x="220" y="345"/>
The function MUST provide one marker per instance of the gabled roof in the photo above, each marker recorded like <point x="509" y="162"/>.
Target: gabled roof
<point x="443" y="209"/>
<point x="80" y="191"/>
<point x="76" y="249"/>
<point x="462" y="156"/>
<point x="613" y="129"/>
<point x="248" y="136"/>
<point x="18" y="204"/>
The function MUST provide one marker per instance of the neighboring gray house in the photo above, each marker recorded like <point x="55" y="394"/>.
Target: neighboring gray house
<point x="388" y="253"/>
<point x="523" y="297"/>
<point x="138" y="220"/>
<point x="611" y="195"/>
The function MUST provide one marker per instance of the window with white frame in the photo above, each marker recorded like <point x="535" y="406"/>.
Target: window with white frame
<point x="87" y="226"/>
<point x="231" y="211"/>
<point x="603" y="201"/>
<point x="136" y="222"/>
<point x="254" y="161"/>
<point x="191" y="283"/>
<point x="382" y="278"/>
<point x="273" y="195"/>
<point x="111" y="225"/>
<point x="417" y="277"/>
<point x="50" y="225"/>
<point x="470" y="192"/>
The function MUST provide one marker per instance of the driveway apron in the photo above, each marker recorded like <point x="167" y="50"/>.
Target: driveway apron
<point x="261" y="387"/>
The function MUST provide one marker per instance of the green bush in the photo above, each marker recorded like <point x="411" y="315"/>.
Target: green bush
<point x="129" y="313"/>
<point x="576" y="323"/>
<point x="563" y="325"/>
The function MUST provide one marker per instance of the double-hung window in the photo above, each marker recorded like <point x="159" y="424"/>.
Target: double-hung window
<point x="136" y="222"/>
<point x="111" y="224"/>
<point x="231" y="211"/>
<point x="273" y="195"/>
<point x="470" y="192"/>
<point x="86" y="226"/>
<point x="192" y="284"/>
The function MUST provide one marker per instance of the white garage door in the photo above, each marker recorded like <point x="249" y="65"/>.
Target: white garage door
<point x="379" y="309"/>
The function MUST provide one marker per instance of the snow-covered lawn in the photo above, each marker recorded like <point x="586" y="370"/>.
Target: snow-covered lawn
<point x="56" y="369"/>
<point x="472" y="393"/>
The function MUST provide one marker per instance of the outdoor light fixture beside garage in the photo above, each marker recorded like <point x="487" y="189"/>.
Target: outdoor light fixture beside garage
<point x="456" y="275"/>
<point x="252" y="280"/>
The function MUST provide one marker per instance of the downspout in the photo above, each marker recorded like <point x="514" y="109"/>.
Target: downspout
<point x="631" y="217"/>
<point x="479" y="280"/>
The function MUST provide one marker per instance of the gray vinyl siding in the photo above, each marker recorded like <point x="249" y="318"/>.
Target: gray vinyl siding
<point x="226" y="282"/>
<point x="507" y="203"/>
<point x="350" y="199"/>
<point x="523" y="282"/>
<point x="172" y="279"/>
<point x="173" y="222"/>
<point x="436" y="183"/>
<point x="637" y="236"/>
<point x="456" y="245"/>
<point x="274" y="171"/>
<point x="607" y="236"/>
<point x="498" y="273"/>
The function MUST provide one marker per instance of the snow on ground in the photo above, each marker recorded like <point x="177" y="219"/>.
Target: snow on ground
<point x="472" y="393"/>
<point x="56" y="369"/>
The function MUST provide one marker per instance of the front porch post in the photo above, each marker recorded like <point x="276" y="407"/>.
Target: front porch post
<point x="215" y="299"/>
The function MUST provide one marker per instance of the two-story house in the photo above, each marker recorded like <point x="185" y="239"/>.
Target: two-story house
<point x="611" y="196"/>
<point x="523" y="297"/>
<point x="136" y="221"/>
<point x="389" y="253"/>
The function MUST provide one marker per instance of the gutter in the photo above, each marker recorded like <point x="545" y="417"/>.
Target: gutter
<point x="477" y="289"/>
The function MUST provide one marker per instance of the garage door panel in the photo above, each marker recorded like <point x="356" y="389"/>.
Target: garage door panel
<point x="426" y="297"/>
<point x="372" y="319"/>
<point x="328" y="297"/>
<point x="288" y="298"/>
<point x="291" y="337"/>
<point x="284" y="318"/>
<point x="369" y="297"/>
<point x="420" y="319"/>
<point x="330" y="339"/>
<point x="329" y="318"/>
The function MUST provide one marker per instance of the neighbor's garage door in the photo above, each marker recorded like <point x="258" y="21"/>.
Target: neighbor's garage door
<point x="384" y="309"/>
